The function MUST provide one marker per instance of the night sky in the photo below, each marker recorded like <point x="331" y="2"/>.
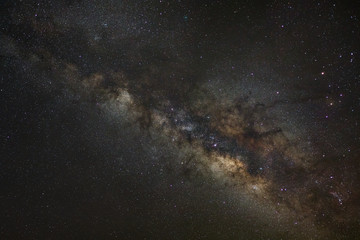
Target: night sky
<point x="179" y="119"/>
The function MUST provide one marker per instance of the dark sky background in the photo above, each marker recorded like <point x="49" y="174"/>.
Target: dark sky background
<point x="179" y="119"/>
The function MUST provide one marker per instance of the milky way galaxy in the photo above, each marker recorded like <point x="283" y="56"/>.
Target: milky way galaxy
<point x="180" y="120"/>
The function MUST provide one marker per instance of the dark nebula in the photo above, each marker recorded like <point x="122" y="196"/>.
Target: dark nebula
<point x="179" y="119"/>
